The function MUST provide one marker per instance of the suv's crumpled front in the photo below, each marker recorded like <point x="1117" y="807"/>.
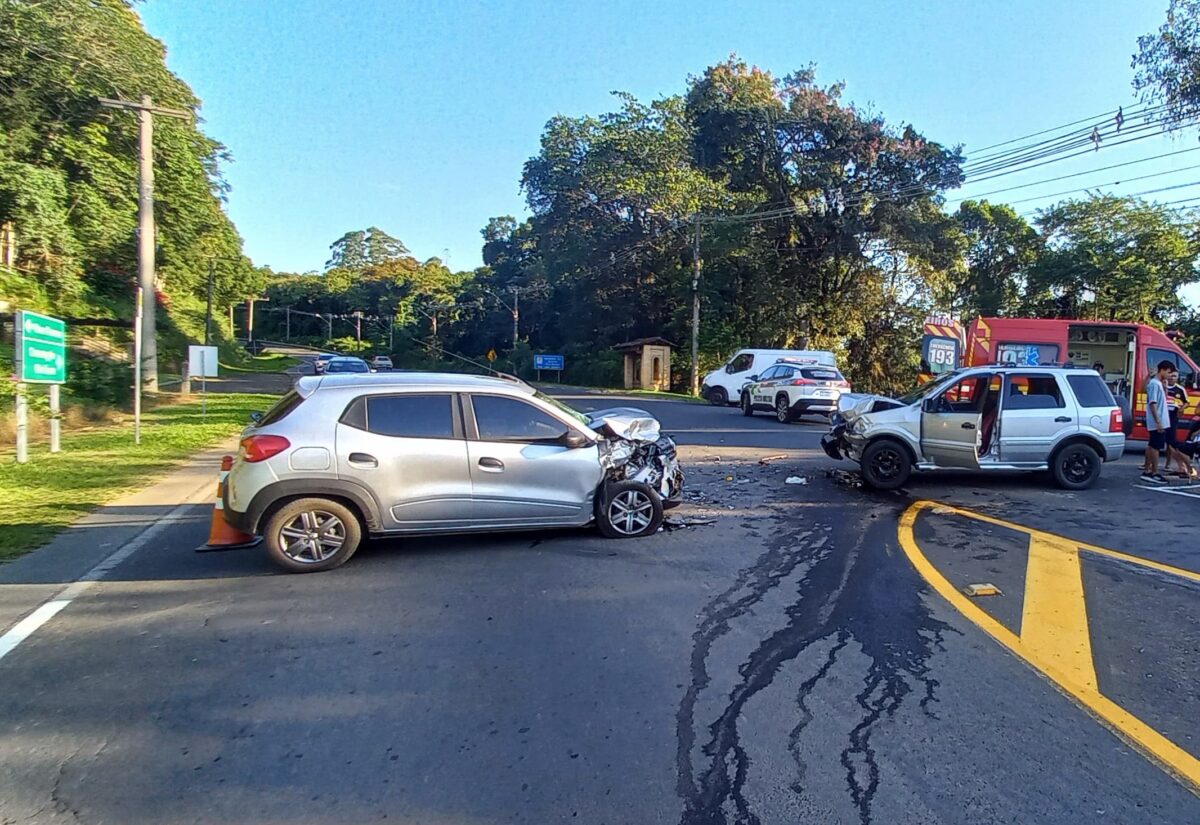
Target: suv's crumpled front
<point x="635" y="449"/>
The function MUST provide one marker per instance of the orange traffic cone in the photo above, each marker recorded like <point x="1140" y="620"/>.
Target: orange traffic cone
<point x="221" y="534"/>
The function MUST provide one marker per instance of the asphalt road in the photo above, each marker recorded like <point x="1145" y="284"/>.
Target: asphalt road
<point x="783" y="661"/>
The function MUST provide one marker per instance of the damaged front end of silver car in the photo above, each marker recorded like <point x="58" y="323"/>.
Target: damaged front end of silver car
<point x="635" y="449"/>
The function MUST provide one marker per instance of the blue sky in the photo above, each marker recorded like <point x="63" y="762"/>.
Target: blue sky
<point x="417" y="116"/>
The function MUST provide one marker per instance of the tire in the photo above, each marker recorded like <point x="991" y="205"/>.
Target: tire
<point x="718" y="397"/>
<point x="629" y="510"/>
<point x="885" y="464"/>
<point x="783" y="409"/>
<point x="1076" y="467"/>
<point x="303" y="518"/>
<point x="747" y="407"/>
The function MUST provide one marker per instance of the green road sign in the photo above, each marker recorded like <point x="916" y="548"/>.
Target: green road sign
<point x="41" y="353"/>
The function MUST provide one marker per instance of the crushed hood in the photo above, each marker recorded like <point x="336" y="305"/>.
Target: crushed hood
<point x="852" y="405"/>
<point x="628" y="423"/>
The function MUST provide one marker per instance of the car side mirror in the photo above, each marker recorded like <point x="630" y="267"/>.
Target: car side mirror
<point x="573" y="439"/>
<point x="255" y="417"/>
<point x="930" y="405"/>
<point x="752" y="378"/>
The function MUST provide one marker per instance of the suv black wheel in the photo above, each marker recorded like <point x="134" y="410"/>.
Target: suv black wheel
<point x="629" y="510"/>
<point x="885" y="465"/>
<point x="718" y="397"/>
<point x="312" y="534"/>
<point x="747" y="407"/>
<point x="783" y="409"/>
<point x="1076" y="467"/>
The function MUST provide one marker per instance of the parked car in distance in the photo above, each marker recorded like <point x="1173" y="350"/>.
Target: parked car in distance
<point x="993" y="418"/>
<point x="340" y="456"/>
<point x="724" y="386"/>
<point x="346" y="364"/>
<point x="322" y="361"/>
<point x="791" y="390"/>
<point x="381" y="363"/>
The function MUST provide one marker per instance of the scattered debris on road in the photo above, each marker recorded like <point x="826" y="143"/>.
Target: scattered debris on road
<point x="984" y="589"/>
<point x="684" y="523"/>
<point x="767" y="459"/>
<point x="844" y="478"/>
<point x="795" y="480"/>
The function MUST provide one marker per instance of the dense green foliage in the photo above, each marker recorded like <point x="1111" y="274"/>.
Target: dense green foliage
<point x="69" y="177"/>
<point x="1167" y="63"/>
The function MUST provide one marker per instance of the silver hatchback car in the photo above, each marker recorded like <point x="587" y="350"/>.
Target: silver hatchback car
<point x="396" y="453"/>
<point x="1060" y="419"/>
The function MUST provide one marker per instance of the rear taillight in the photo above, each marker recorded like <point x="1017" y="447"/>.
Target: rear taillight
<point x="844" y="384"/>
<point x="1116" y="421"/>
<point x="803" y="382"/>
<point x="261" y="447"/>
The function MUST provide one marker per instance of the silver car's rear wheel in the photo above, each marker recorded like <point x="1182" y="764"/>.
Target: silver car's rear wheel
<point x="310" y="534"/>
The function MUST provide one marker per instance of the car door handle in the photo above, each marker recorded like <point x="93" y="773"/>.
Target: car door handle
<point x="1062" y="419"/>
<point x="967" y="425"/>
<point x="492" y="465"/>
<point x="363" y="460"/>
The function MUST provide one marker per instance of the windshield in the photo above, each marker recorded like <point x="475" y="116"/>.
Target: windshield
<point x="348" y="366"/>
<point x="568" y="409"/>
<point x="927" y="388"/>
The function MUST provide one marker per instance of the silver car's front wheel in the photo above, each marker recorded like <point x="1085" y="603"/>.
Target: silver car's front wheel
<point x="311" y="534"/>
<point x="630" y="510"/>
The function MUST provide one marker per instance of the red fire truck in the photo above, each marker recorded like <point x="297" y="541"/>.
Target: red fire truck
<point x="1123" y="353"/>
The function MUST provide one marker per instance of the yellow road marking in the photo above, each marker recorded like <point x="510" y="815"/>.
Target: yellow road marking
<point x="1054" y="622"/>
<point x="1054" y="637"/>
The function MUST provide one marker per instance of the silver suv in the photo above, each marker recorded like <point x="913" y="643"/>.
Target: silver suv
<point x="344" y="455"/>
<point x="985" y="418"/>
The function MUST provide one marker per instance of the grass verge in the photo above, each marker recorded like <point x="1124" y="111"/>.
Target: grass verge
<point x="271" y="362"/>
<point x="42" y="497"/>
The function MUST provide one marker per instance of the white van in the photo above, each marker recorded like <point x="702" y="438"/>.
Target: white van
<point x="724" y="385"/>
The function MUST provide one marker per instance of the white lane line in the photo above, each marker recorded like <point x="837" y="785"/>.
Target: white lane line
<point x="25" y="628"/>
<point x="1171" y="491"/>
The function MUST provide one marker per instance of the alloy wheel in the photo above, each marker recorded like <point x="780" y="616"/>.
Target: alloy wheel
<point x="312" y="536"/>
<point x="630" y="512"/>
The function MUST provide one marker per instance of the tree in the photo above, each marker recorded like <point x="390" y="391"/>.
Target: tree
<point x="359" y="249"/>
<point x="1000" y="246"/>
<point x="1167" y="63"/>
<point x="1113" y="259"/>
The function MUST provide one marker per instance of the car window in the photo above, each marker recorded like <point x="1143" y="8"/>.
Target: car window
<point x="1091" y="391"/>
<point x="769" y="373"/>
<point x="1033" y="391"/>
<point x="822" y="374"/>
<point x="500" y="418"/>
<point x="290" y="401"/>
<point x="408" y="416"/>
<point x="1155" y="355"/>
<point x="742" y="363"/>
<point x="965" y="395"/>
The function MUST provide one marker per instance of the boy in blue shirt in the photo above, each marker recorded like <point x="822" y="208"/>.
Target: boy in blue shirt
<point x="1157" y="422"/>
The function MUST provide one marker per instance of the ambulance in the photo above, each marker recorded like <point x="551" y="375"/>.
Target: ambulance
<point x="1125" y="354"/>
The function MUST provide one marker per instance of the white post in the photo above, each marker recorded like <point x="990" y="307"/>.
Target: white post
<point x="22" y="409"/>
<point x="203" y="388"/>
<point x="55" y="419"/>
<point x="137" y="369"/>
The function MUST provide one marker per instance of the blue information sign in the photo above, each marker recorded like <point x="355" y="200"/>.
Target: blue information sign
<point x="548" y="362"/>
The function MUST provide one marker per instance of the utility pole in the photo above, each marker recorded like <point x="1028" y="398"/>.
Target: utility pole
<point x="146" y="111"/>
<point x="208" y="306"/>
<point x="287" y="335"/>
<point x="696" y="307"/>
<point x="358" y="328"/>
<point x="250" y="321"/>
<point x="516" y="312"/>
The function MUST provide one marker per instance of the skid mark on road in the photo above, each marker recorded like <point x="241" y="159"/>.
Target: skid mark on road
<point x="1054" y="635"/>
<point x="830" y="588"/>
